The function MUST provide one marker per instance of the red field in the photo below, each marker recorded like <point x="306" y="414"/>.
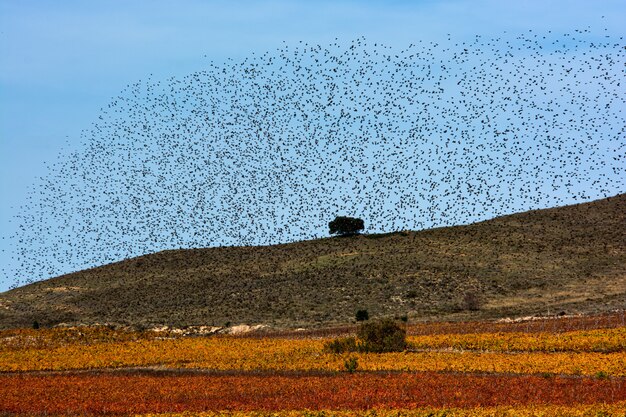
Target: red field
<point x="539" y="368"/>
<point x="128" y="393"/>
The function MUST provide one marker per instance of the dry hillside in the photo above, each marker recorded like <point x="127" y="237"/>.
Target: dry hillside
<point x="570" y="259"/>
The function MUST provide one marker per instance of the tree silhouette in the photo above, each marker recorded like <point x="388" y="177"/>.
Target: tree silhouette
<point x="346" y="226"/>
<point x="362" y="315"/>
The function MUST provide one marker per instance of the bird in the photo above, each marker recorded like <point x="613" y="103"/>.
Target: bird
<point x="268" y="149"/>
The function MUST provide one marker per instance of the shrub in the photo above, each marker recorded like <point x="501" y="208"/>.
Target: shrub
<point x="351" y="364"/>
<point x="341" y="345"/>
<point x="362" y="315"/>
<point x="35" y="325"/>
<point x="471" y="301"/>
<point x="382" y="336"/>
<point x="375" y="337"/>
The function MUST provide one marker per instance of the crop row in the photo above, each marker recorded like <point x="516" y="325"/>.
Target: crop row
<point x="577" y="327"/>
<point x="19" y="339"/>
<point x="237" y="354"/>
<point x="128" y="393"/>
<point x="604" y="340"/>
<point x="580" y="410"/>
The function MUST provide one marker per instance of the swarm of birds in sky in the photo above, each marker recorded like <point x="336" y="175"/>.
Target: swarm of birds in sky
<point x="271" y="148"/>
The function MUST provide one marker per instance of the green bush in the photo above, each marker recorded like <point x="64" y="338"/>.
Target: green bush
<point x="341" y="345"/>
<point x="362" y="315"/>
<point x="382" y="336"/>
<point x="351" y="364"/>
<point x="602" y="375"/>
<point x="376" y="337"/>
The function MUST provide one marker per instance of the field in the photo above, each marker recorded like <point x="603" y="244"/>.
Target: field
<point x="556" y="367"/>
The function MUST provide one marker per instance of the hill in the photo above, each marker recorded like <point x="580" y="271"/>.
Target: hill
<point x="568" y="259"/>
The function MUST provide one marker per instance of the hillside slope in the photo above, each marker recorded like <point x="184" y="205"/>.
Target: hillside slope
<point x="570" y="259"/>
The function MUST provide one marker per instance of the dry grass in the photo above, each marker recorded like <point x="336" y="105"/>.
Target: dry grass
<point x="570" y="259"/>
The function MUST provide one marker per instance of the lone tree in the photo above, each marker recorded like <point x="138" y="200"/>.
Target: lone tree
<point x="346" y="226"/>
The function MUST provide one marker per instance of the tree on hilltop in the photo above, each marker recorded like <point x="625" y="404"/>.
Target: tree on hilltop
<point x="346" y="226"/>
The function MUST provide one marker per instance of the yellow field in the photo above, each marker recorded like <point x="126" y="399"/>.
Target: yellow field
<point x="578" y="373"/>
<point x="569" y="353"/>
<point x="604" y="340"/>
<point x="595" y="410"/>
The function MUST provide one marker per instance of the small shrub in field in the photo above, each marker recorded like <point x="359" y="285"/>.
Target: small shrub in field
<point x="35" y="325"/>
<point x="342" y="345"/>
<point x="362" y="315"/>
<point x="351" y="364"/>
<point x="376" y="337"/>
<point x="382" y="336"/>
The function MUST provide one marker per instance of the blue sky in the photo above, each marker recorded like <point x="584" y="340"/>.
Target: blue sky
<point x="62" y="61"/>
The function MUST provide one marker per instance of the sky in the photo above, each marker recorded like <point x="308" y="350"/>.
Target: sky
<point x="62" y="61"/>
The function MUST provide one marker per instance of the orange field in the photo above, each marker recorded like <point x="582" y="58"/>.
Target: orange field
<point x="507" y="373"/>
<point x="169" y="393"/>
<point x="573" y="353"/>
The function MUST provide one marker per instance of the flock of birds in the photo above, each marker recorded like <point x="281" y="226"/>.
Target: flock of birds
<point x="270" y="149"/>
